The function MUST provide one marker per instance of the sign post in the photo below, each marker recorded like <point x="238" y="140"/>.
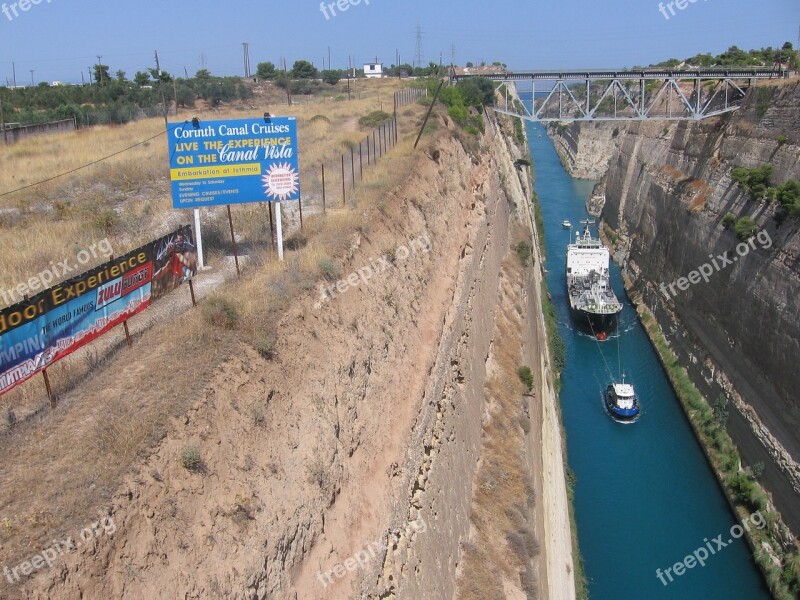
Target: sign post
<point x="199" y="239"/>
<point x="280" y="229"/>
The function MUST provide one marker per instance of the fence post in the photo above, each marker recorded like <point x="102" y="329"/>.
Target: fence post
<point x="300" y="203"/>
<point x="127" y="333"/>
<point x="352" y="167"/>
<point x="323" y="187"/>
<point x="367" y="150"/>
<point x="48" y="388"/>
<point x="344" y="198"/>
<point x="361" y="160"/>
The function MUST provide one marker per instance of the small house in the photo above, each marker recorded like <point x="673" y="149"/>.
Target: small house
<point x="373" y="69"/>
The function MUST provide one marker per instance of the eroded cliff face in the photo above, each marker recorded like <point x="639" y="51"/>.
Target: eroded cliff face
<point x="736" y="324"/>
<point x="585" y="148"/>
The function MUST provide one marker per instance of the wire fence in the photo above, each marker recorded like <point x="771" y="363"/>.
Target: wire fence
<point x="330" y="184"/>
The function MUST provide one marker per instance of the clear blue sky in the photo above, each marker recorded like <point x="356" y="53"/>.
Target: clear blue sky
<point x="59" y="39"/>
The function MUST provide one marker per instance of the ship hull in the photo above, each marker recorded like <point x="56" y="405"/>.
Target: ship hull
<point x="623" y="415"/>
<point x="594" y="323"/>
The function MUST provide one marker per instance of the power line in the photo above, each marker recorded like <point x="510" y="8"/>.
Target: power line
<point x="94" y="162"/>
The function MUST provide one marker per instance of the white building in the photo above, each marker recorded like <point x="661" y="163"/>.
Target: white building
<point x="373" y="69"/>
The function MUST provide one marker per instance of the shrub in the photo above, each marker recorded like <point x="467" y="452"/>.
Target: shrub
<point x="745" y="228"/>
<point x="375" y="118"/>
<point x="526" y="376"/>
<point x="788" y="195"/>
<point x="190" y="458"/>
<point x="755" y="180"/>
<point x="729" y="220"/>
<point x="782" y="139"/>
<point x="523" y="250"/>
<point x="328" y="268"/>
<point x="266" y="345"/>
<point x="106" y="221"/>
<point x="458" y="112"/>
<point x="221" y="312"/>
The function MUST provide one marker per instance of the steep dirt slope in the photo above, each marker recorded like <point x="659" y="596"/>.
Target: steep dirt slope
<point x="308" y="459"/>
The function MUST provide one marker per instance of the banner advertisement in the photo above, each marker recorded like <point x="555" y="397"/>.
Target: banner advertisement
<point x="37" y="332"/>
<point x="235" y="161"/>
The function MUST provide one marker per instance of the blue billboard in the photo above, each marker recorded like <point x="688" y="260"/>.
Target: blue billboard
<point x="212" y="163"/>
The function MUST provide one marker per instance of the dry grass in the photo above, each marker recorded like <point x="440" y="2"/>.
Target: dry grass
<point x="61" y="465"/>
<point x="127" y="198"/>
<point x="503" y="544"/>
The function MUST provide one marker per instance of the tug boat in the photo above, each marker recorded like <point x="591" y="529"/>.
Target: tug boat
<point x="621" y="402"/>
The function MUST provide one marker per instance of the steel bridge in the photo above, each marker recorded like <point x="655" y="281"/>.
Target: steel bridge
<point x="627" y="95"/>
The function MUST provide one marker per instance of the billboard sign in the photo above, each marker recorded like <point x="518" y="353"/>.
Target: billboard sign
<point x="235" y="161"/>
<point x="37" y="332"/>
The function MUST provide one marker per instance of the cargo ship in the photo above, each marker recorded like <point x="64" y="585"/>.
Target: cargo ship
<point x="591" y="300"/>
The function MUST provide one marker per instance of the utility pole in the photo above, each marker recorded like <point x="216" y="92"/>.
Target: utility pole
<point x="89" y="70"/>
<point x="161" y="89"/>
<point x="3" y="121"/>
<point x="246" y="47"/>
<point x="83" y="80"/>
<point x="329" y="59"/>
<point x="14" y="74"/>
<point x="100" y="69"/>
<point x="452" y="55"/>
<point x="33" y="83"/>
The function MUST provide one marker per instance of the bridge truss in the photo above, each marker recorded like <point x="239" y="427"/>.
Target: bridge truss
<point x="625" y="95"/>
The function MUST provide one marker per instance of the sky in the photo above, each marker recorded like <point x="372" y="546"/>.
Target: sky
<point x="60" y="39"/>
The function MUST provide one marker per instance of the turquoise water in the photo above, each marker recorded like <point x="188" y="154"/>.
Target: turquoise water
<point x="645" y="496"/>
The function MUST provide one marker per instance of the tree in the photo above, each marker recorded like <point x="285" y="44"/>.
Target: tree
<point x="477" y="92"/>
<point x="470" y="65"/>
<point x="141" y="78"/>
<point x="120" y="74"/>
<point x="101" y="73"/>
<point x="164" y="77"/>
<point x="203" y="75"/>
<point x="331" y="77"/>
<point x="266" y="70"/>
<point x="186" y="96"/>
<point x="302" y="69"/>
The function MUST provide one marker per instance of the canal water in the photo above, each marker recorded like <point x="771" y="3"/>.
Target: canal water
<point x="645" y="496"/>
